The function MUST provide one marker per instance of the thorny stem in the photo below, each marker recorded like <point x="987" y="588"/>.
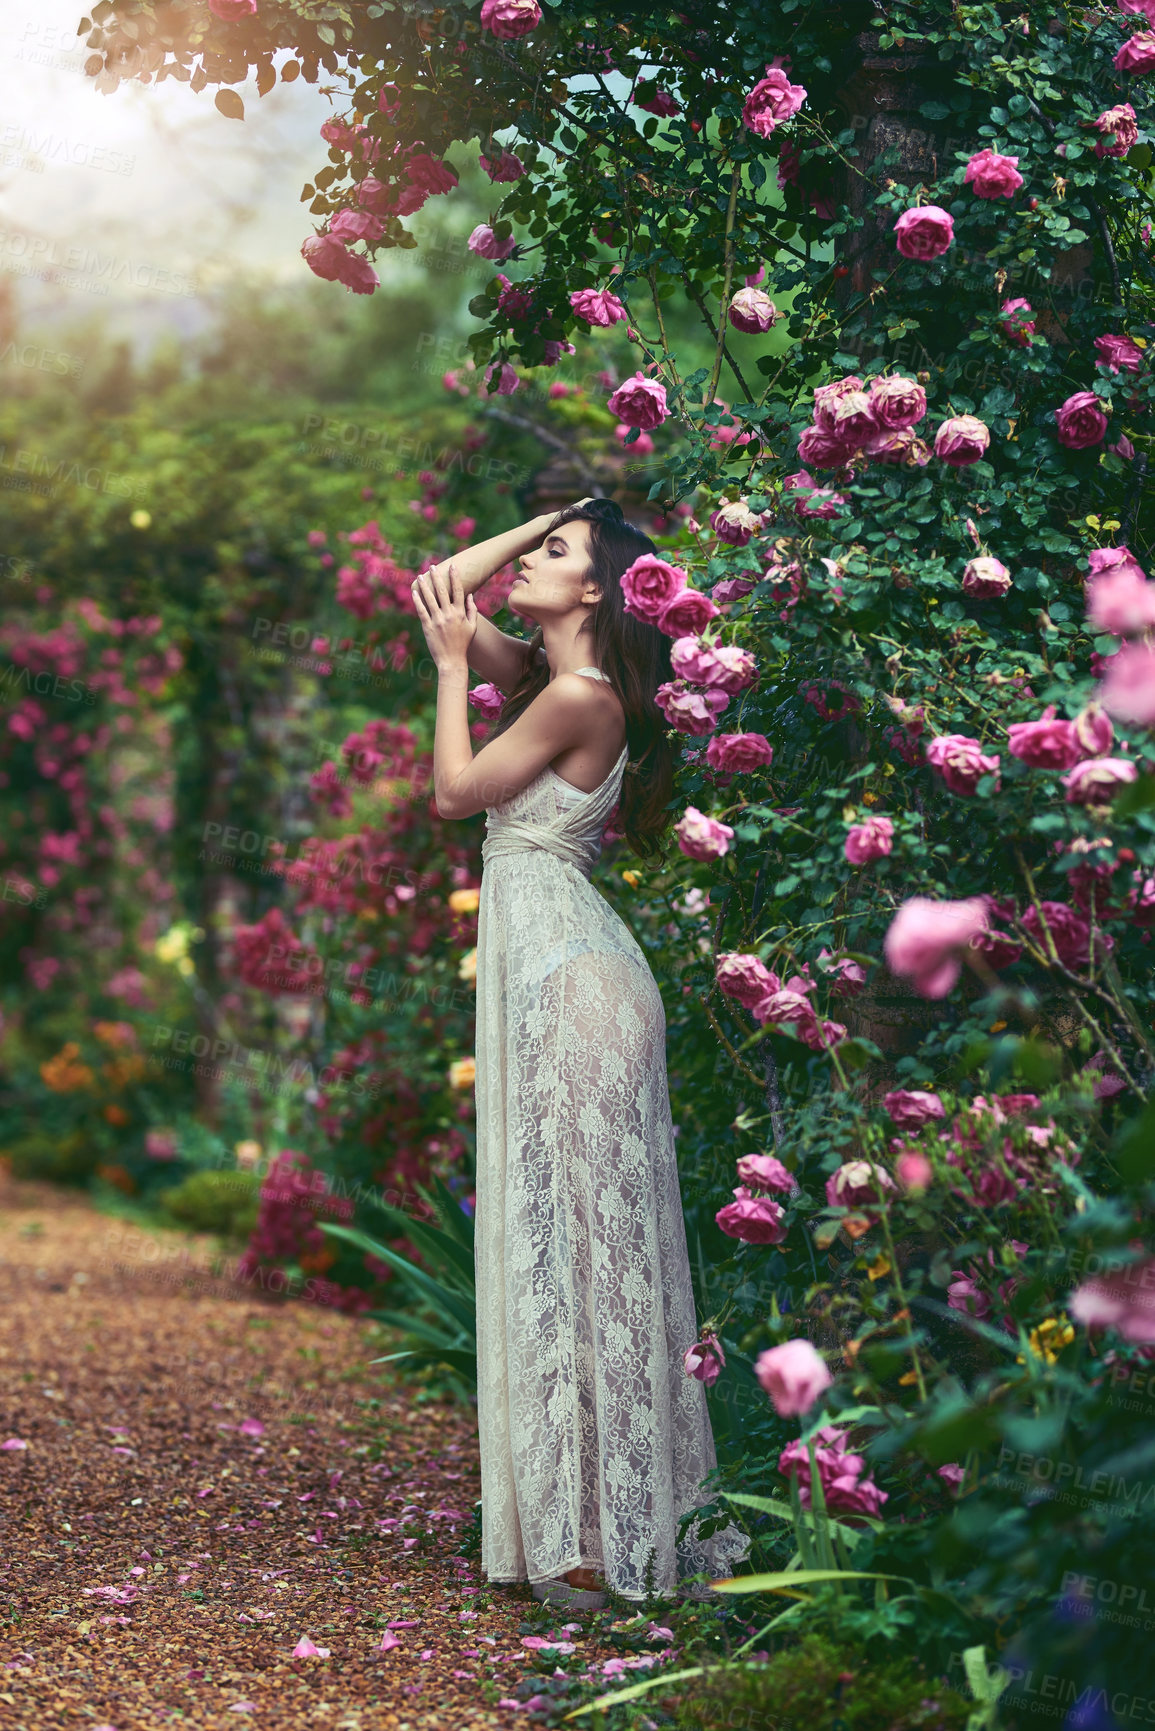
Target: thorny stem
<point x="735" y="181"/>
<point x="751" y="1075"/>
<point x="900" y="1290"/>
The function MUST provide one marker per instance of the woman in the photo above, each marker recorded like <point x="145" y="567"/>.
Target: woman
<point x="593" y="1438"/>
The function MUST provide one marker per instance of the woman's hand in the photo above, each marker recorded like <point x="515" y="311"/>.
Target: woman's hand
<point x="448" y="617"/>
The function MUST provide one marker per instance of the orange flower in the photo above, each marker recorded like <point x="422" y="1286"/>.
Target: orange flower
<point x="63" y="1073"/>
<point x="115" y="1034"/>
<point x="465" y="901"/>
<point x="118" y="1176"/>
<point x="115" y="1114"/>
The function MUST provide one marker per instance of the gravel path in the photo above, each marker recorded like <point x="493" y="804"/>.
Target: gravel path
<point x="211" y="1476"/>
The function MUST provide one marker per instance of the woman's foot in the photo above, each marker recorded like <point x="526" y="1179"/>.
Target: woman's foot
<point x="585" y="1580"/>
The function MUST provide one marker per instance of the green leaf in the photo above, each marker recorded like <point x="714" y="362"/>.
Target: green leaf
<point x="785" y="1580"/>
<point x="857" y="1052"/>
<point x="1139" y="796"/>
<point x="1135" y="1147"/>
<point x="634" y="1690"/>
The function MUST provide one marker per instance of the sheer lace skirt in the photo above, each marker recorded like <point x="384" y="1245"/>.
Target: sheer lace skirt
<point x="593" y="1438"/>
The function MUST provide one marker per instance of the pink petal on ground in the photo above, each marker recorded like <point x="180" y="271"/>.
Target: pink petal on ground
<point x="404" y="1622"/>
<point x="306" y="1650"/>
<point x="251" y="1427"/>
<point x="429" y="1653"/>
<point x="243" y="1707"/>
<point x="465" y="1674"/>
<point x="389" y="1641"/>
<point x="15" y="1442"/>
<point x="408" y="1544"/>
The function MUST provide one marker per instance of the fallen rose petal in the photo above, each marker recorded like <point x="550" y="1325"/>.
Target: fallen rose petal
<point x="306" y="1650"/>
<point x="15" y="1442"/>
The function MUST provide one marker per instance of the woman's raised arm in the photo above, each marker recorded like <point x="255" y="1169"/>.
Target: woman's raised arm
<point x="492" y="653"/>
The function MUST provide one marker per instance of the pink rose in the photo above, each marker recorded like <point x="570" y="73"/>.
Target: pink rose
<point x="960" y="761"/>
<point x="927" y="938"/>
<point x="793" y="1375"/>
<point x="640" y="402"/>
<point x="350" y="225"/>
<point x="737" y="753"/>
<point x="992" y="175"/>
<point x="161" y="1144"/>
<point x="660" y="103"/>
<point x="649" y="585"/>
<point x="753" y="1219"/>
<point x="690" y="711"/>
<point x="1137" y="53"/>
<point x="985" y="578"/>
<point x="733" y="669"/>
<point x="765" y="1172"/>
<point x="1017" y="320"/>
<point x="485" y="243"/>
<point x="487" y="700"/>
<point x="1069" y="931"/>
<point x="1122" y="1299"/>
<point x="1112" y="561"/>
<point x="693" y="659"/>
<point x="896" y="402"/>
<point x="899" y="445"/>
<point x="924" y="232"/>
<point x="231" y="10"/>
<point x="828" y="397"/>
<point x="1097" y="780"/>
<point x="504" y="166"/>
<point x="911" y="1108"/>
<point x="825" y="448"/>
<point x="1093" y="731"/>
<point x="746" y="979"/>
<point x="1123" y="604"/>
<point x="507" y="379"/>
<point x="598" y="307"/>
<point x="844" y="1490"/>
<point x="1044" y="744"/>
<point x="858" y="1184"/>
<point x="961" y="440"/>
<point x="1119" y="125"/>
<point x="787" y="1006"/>
<point x="730" y="590"/>
<point x="1129" y="688"/>
<point x="772" y="100"/>
<point x="735" y="523"/>
<point x="1119" y="352"/>
<point x="869" y="841"/>
<point x="752" y="310"/>
<point x="914" y="1171"/>
<point x="430" y="174"/>
<point x="847" y="976"/>
<point x="688" y="611"/>
<point x="1081" y="420"/>
<point x="965" y="1295"/>
<point x="701" y="837"/>
<point x="705" y="1359"/>
<point x="641" y="445"/>
<point x="509" y="19"/>
<point x="327" y="258"/>
<point x="812" y="500"/>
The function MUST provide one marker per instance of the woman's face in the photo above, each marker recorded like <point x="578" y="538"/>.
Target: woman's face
<point x="554" y="579"/>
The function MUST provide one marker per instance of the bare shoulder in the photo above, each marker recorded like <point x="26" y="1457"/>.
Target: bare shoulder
<point x="572" y="694"/>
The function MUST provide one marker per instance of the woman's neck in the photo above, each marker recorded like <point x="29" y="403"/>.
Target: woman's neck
<point x="567" y="648"/>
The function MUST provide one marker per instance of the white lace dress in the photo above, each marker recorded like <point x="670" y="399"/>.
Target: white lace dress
<point x="593" y="1438"/>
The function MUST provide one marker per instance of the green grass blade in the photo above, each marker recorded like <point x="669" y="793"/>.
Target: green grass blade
<point x="440" y="1297"/>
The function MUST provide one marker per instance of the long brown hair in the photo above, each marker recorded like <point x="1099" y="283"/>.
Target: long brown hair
<point x="634" y="656"/>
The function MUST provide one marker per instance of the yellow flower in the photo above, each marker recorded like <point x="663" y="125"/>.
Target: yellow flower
<point x="141" y="519"/>
<point x="248" y="1153"/>
<point x="467" y="968"/>
<point x="1048" y="1340"/>
<point x="462" y="1073"/>
<point x="172" y="945"/>
<point x="878" y="1268"/>
<point x="464" y="901"/>
<point x="632" y="878"/>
